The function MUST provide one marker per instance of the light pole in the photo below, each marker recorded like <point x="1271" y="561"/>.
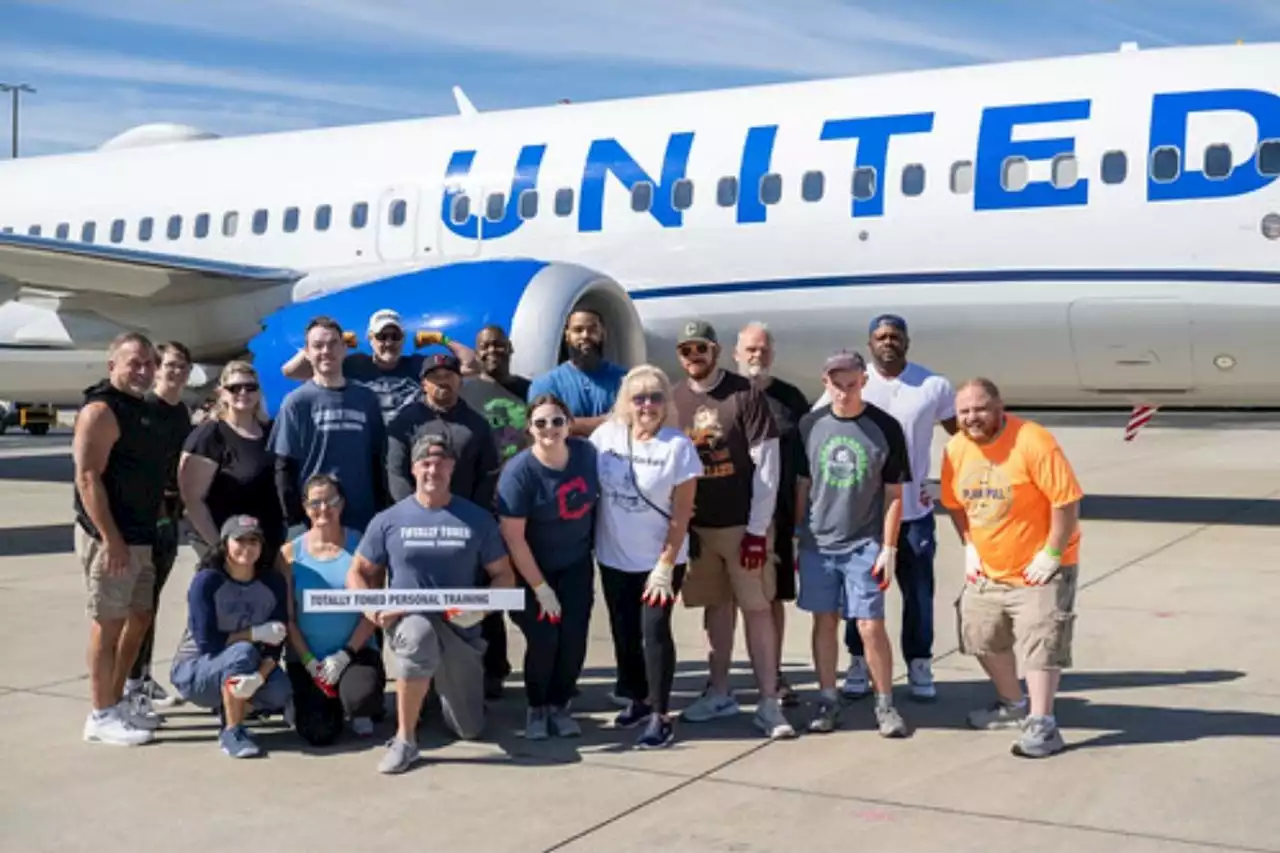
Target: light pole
<point x="16" y="90"/>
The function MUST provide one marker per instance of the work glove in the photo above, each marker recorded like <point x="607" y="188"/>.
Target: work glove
<point x="1042" y="568"/>
<point x="548" y="601"/>
<point x="465" y="618"/>
<point x="334" y="665"/>
<point x="271" y="633"/>
<point x="313" y="667"/>
<point x="657" y="589"/>
<point x="426" y="337"/>
<point x="752" y="552"/>
<point x="244" y="686"/>
<point x="972" y="563"/>
<point x="886" y="560"/>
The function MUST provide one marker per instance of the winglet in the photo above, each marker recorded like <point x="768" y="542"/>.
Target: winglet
<point x="465" y="107"/>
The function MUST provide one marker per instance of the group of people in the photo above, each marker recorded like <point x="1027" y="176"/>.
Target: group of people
<point x="726" y="489"/>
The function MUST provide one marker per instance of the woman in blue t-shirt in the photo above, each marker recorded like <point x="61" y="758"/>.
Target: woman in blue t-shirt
<point x="547" y="498"/>
<point x="334" y="663"/>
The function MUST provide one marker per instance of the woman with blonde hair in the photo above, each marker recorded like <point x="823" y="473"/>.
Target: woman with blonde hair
<point x="649" y="471"/>
<point x="226" y="469"/>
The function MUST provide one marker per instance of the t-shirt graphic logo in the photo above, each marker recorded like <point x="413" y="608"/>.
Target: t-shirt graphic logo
<point x="572" y="498"/>
<point x="986" y="494"/>
<point x="507" y="418"/>
<point x="707" y="434"/>
<point x="843" y="461"/>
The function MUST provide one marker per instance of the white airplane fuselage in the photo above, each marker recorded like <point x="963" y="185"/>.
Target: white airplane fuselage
<point x="1076" y="289"/>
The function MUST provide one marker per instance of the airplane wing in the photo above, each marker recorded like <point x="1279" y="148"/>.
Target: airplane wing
<point x="88" y="270"/>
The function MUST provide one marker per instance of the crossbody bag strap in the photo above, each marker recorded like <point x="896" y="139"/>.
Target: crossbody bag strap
<point x="631" y="465"/>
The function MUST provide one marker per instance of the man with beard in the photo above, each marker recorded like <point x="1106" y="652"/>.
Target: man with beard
<point x="754" y="355"/>
<point x="919" y="399"/>
<point x="497" y="393"/>
<point x="1015" y="502"/>
<point x="587" y="383"/>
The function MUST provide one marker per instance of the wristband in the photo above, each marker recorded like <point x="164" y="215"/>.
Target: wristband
<point x="308" y="658"/>
<point x="351" y="653"/>
<point x="1053" y="552"/>
<point x="444" y="339"/>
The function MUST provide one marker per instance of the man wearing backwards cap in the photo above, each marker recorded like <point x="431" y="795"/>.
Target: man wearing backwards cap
<point x="850" y="472"/>
<point x="389" y="373"/>
<point x="432" y="540"/>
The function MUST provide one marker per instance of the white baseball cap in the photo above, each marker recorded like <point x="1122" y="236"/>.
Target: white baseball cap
<point x="382" y="319"/>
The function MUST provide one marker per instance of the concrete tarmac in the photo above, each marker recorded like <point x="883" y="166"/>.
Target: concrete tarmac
<point x="1172" y="711"/>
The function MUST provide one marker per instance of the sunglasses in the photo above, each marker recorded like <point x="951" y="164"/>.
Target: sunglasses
<point x="238" y="387"/>
<point x="692" y="349"/>
<point x="325" y="503"/>
<point x="653" y="397"/>
<point x="389" y="337"/>
<point x="556" y="422"/>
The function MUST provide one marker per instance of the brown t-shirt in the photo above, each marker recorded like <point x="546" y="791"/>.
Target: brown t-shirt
<point x="725" y="424"/>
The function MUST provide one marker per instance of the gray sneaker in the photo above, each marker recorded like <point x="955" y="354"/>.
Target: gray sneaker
<point x="1039" y="739"/>
<point x="399" y="758"/>
<point x="998" y="715"/>
<point x="563" y="724"/>
<point x="827" y="717"/>
<point x="535" y="724"/>
<point x="890" y="722"/>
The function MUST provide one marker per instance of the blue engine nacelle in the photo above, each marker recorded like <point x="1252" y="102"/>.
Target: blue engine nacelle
<point x="530" y="299"/>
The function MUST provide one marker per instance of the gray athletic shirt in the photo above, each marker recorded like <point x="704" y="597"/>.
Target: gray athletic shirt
<point x="442" y="548"/>
<point x="849" y="461"/>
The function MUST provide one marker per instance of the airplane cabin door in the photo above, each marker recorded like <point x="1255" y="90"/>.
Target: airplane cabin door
<point x="398" y="223"/>
<point x="1132" y="345"/>
<point x="461" y="220"/>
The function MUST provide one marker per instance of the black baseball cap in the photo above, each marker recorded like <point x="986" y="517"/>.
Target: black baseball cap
<point x="440" y="360"/>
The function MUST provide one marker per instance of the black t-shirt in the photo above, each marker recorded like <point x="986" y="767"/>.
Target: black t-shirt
<point x="788" y="405"/>
<point x="244" y="482"/>
<point x="171" y="427"/>
<point x="396" y="388"/>
<point x="502" y="402"/>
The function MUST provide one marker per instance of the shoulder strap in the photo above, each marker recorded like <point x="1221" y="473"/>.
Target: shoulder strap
<point x="631" y="465"/>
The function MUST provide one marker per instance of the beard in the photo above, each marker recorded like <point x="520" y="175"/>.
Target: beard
<point x="754" y="372"/>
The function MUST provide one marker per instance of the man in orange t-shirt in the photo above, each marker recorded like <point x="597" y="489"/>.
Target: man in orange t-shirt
<point x="1015" y="502"/>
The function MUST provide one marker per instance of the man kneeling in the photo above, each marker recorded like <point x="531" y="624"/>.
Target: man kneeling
<point x="432" y="540"/>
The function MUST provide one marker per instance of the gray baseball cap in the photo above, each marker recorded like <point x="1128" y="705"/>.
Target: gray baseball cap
<point x="240" y="526"/>
<point x="432" y="444"/>
<point x="843" y="360"/>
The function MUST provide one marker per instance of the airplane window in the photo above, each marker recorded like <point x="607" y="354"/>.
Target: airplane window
<point x="682" y="194"/>
<point x="117" y="231"/>
<point x="962" y="177"/>
<point x="641" y="196"/>
<point x="398" y="212"/>
<point x="727" y="192"/>
<point x="771" y="188"/>
<point x="290" y="219"/>
<point x="461" y="209"/>
<point x="202" y="226"/>
<point x="811" y="186"/>
<point x="34" y="231"/>
<point x="864" y="183"/>
<point x="145" y="226"/>
<point x="528" y="204"/>
<point x="1269" y="157"/>
<point x="87" y="232"/>
<point x="260" y="219"/>
<point x="1115" y="167"/>
<point x="1217" y="161"/>
<point x="64" y="230"/>
<point x="1013" y="173"/>
<point x="1164" y="164"/>
<point x="174" y="230"/>
<point x="1065" y="171"/>
<point x="564" y="201"/>
<point x="495" y="207"/>
<point x="359" y="215"/>
<point x="913" y="179"/>
<point x="230" y="221"/>
<point x="8" y="229"/>
<point x="324" y="213"/>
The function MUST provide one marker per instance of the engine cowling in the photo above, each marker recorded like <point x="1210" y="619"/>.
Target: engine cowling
<point x="530" y="299"/>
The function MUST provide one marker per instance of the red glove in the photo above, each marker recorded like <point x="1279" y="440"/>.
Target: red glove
<point x="752" y="553"/>
<point x="328" y="689"/>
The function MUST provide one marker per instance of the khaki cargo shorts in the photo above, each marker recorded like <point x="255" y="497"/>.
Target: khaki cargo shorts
<point x="1036" y="621"/>
<point x="718" y="577"/>
<point x="115" y="597"/>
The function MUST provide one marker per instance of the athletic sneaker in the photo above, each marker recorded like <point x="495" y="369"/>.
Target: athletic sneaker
<point x="710" y="706"/>
<point x="890" y="722"/>
<point x="857" y="683"/>
<point x="999" y="715"/>
<point x="237" y="742"/>
<point x="786" y="693"/>
<point x="399" y="758"/>
<point x="920" y="676"/>
<point x="110" y="728"/>
<point x="562" y="724"/>
<point x="158" y="696"/>
<point x="658" y="732"/>
<point x="769" y="719"/>
<point x="535" y="724"/>
<point x="136" y="708"/>
<point x="635" y="713"/>
<point x="618" y="700"/>
<point x="826" y="718"/>
<point x="1040" y="738"/>
<point x="362" y="726"/>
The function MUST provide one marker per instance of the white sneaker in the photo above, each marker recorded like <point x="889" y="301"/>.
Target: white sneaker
<point x="136" y="710"/>
<point x="770" y="720"/>
<point x="857" y="682"/>
<point x="920" y="676"/>
<point x="710" y="706"/>
<point x="114" y="730"/>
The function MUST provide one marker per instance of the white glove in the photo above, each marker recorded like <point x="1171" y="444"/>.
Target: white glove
<point x="244" y="686"/>
<point x="466" y="618"/>
<point x="972" y="563"/>
<point x="550" y="603"/>
<point x="657" y="589"/>
<point x="313" y="668"/>
<point x="271" y="633"/>
<point x="1042" y="568"/>
<point x="333" y="666"/>
<point x="886" y="561"/>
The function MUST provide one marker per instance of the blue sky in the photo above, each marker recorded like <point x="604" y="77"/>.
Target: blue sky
<point x="246" y="66"/>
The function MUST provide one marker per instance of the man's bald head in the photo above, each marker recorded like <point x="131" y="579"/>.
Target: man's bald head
<point x="979" y="409"/>
<point x="754" y="351"/>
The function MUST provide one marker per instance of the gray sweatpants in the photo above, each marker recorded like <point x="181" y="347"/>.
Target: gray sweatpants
<point x="424" y="646"/>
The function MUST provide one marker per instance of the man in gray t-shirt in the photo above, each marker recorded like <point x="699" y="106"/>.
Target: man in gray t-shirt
<point x="852" y="463"/>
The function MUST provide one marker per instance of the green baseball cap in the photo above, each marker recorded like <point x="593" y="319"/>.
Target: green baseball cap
<point x="697" y="330"/>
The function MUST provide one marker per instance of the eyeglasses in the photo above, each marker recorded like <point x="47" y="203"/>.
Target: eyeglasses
<point x="556" y="422"/>
<point x="389" y="337"/>
<point x="238" y="387"/>
<point x="324" y="503"/>
<point x="653" y="397"/>
<point x="691" y="349"/>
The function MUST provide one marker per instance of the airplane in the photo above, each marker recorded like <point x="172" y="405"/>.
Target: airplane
<point x="1088" y="231"/>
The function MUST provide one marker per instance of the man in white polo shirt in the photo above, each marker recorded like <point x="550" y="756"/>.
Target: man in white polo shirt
<point x="918" y="398"/>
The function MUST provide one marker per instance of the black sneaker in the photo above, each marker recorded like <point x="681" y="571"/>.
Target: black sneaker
<point x="658" y="733"/>
<point x="635" y="714"/>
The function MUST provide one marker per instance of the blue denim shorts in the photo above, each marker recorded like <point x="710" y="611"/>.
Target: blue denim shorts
<point x="841" y="582"/>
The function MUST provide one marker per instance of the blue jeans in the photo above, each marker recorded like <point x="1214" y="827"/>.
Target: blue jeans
<point x="917" y="545"/>
<point x="199" y="680"/>
<point x="841" y="582"/>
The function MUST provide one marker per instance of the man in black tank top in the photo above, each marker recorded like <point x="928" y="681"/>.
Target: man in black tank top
<point x="120" y="475"/>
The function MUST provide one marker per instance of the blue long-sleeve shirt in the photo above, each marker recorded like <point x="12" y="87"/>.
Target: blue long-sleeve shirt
<point x="218" y="606"/>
